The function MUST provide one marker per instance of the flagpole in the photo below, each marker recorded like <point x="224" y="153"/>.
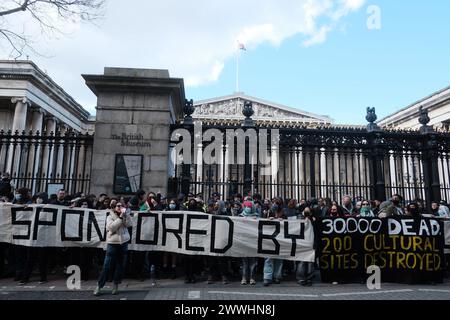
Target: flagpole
<point x="237" y="68"/>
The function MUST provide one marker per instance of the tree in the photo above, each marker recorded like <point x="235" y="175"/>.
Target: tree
<point x="42" y="13"/>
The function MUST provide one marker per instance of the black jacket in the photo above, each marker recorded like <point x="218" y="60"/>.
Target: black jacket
<point x="5" y="188"/>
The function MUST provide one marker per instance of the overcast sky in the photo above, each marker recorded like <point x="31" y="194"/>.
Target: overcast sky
<point x="316" y="55"/>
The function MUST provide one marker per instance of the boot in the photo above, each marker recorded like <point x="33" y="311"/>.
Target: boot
<point x="115" y="289"/>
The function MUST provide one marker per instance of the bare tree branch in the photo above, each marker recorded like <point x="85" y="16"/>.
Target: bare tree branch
<point x="42" y="13"/>
<point x="23" y="7"/>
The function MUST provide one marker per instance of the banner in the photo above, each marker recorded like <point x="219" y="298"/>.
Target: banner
<point x="447" y="236"/>
<point x="180" y="232"/>
<point x="407" y="250"/>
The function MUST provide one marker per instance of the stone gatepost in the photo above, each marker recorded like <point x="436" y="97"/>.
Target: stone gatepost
<point x="135" y="108"/>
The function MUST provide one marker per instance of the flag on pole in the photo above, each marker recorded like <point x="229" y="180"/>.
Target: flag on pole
<point x="242" y="46"/>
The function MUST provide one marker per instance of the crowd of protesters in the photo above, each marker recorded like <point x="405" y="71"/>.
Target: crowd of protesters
<point x="117" y="262"/>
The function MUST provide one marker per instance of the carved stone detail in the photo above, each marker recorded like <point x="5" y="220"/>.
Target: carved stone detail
<point x="234" y="107"/>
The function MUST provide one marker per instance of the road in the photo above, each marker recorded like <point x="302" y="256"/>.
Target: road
<point x="176" y="290"/>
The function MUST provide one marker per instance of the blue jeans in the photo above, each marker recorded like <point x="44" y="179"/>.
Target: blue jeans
<point x="305" y="271"/>
<point x="272" y="269"/>
<point x="248" y="268"/>
<point x="115" y="254"/>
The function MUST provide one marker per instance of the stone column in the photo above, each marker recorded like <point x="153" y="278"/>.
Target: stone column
<point x="226" y="172"/>
<point x="323" y="173"/>
<point x="199" y="178"/>
<point x="34" y="155"/>
<point x="296" y="174"/>
<point x="20" y="114"/>
<point x="19" y="125"/>
<point x="61" y="163"/>
<point x="275" y="166"/>
<point x="49" y="150"/>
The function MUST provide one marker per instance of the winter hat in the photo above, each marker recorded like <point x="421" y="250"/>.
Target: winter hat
<point x="248" y="204"/>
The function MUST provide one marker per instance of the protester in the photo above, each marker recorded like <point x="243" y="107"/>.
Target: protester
<point x="273" y="267"/>
<point x="5" y="185"/>
<point x="217" y="266"/>
<point x="375" y="207"/>
<point x="189" y="261"/>
<point x="366" y="211"/>
<point x="412" y="210"/>
<point x="439" y="210"/>
<point x="305" y="269"/>
<point x="292" y="209"/>
<point x="347" y="206"/>
<point x="396" y="200"/>
<point x="137" y="200"/>
<point x="249" y="263"/>
<point x="60" y="199"/>
<point x="322" y="208"/>
<point x="117" y="238"/>
<point x="387" y="209"/>
<point x="336" y="211"/>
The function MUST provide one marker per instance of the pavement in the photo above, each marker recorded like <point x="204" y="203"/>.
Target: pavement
<point x="56" y="289"/>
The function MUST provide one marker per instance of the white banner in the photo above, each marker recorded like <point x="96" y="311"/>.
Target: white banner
<point x="180" y="232"/>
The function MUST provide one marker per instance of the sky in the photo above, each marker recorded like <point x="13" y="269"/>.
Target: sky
<point x="320" y="56"/>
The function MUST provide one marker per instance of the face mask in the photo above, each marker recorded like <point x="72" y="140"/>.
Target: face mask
<point x="247" y="210"/>
<point x="275" y="207"/>
<point x="84" y="206"/>
<point x="172" y="206"/>
<point x="39" y="201"/>
<point x="18" y="197"/>
<point x="365" y="210"/>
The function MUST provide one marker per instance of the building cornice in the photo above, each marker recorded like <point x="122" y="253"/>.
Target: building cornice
<point x="28" y="71"/>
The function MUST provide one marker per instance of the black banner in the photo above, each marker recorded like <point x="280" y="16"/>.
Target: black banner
<point x="407" y="250"/>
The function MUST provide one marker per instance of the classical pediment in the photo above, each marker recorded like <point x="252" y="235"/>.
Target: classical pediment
<point x="230" y="107"/>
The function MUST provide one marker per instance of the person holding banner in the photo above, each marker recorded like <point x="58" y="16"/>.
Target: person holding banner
<point x="366" y="210"/>
<point x="273" y="267"/>
<point x="305" y="270"/>
<point x="249" y="264"/>
<point x="189" y="261"/>
<point x="117" y="238"/>
<point x="170" y="258"/>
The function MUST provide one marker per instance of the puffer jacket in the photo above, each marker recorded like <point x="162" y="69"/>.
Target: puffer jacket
<point x="117" y="228"/>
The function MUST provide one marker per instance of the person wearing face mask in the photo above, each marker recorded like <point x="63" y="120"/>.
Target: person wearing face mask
<point x="236" y="209"/>
<point x="412" y="210"/>
<point x="366" y="210"/>
<point x="22" y="196"/>
<point x="265" y="208"/>
<point x="170" y="258"/>
<point x="249" y="264"/>
<point x="396" y="200"/>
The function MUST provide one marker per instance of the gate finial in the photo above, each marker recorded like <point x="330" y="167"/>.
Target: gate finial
<point x="188" y="110"/>
<point x="248" y="112"/>
<point x="371" y="118"/>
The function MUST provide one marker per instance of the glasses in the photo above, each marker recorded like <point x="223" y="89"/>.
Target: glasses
<point x="119" y="205"/>
<point x="365" y="204"/>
